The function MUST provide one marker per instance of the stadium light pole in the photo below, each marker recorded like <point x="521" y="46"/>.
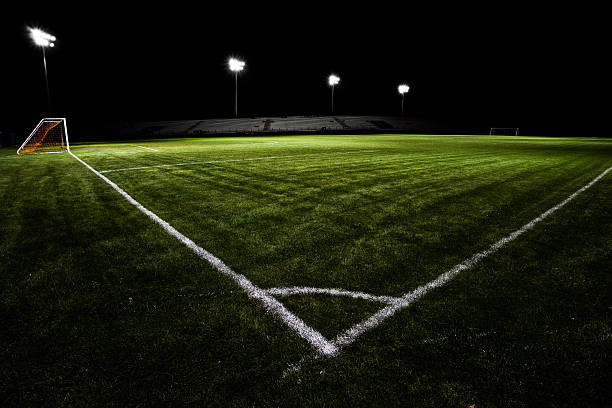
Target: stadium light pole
<point x="402" y="89"/>
<point x="43" y="40"/>
<point x="236" y="66"/>
<point x="333" y="81"/>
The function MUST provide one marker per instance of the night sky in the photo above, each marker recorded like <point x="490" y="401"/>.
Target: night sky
<point x="503" y="65"/>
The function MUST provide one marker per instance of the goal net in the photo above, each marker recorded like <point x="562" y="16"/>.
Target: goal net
<point x="504" y="131"/>
<point x="50" y="136"/>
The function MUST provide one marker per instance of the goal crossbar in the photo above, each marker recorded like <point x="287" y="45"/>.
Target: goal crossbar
<point x="40" y="138"/>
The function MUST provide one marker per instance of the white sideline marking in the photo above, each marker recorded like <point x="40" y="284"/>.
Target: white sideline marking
<point x="47" y="152"/>
<point x="334" y="292"/>
<point x="395" y="304"/>
<point x="233" y="160"/>
<point x="350" y="335"/>
<point x="316" y="339"/>
<point x="85" y="154"/>
<point x="144" y="147"/>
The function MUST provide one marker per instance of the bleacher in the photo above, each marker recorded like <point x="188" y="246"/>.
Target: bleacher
<point x="279" y="125"/>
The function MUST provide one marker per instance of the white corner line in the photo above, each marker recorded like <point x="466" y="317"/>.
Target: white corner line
<point x="316" y="339"/>
<point x="350" y="335"/>
<point x="292" y="291"/>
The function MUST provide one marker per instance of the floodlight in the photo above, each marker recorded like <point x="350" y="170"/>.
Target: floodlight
<point x="236" y="65"/>
<point x="43" y="40"/>
<point x="402" y="89"/>
<point x="333" y="80"/>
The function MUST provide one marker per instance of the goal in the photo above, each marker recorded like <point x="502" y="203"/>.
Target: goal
<point x="504" y="132"/>
<point x="50" y="136"/>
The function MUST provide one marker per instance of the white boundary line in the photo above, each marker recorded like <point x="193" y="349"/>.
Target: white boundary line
<point x="396" y="304"/>
<point x="315" y="338"/>
<point x="233" y="160"/>
<point x="350" y="335"/>
<point x="86" y="154"/>
<point x="143" y="147"/>
<point x="129" y="145"/>
<point x="46" y="152"/>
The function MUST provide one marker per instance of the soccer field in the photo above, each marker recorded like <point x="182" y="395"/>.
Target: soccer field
<point x="308" y="270"/>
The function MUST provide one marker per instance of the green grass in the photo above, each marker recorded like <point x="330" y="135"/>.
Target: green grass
<point x="101" y="307"/>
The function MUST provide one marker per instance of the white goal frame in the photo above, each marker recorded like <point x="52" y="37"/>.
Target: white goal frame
<point x="36" y="128"/>
<point x="516" y="131"/>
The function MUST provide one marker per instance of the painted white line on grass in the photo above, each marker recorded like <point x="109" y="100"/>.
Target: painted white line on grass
<point x="84" y="154"/>
<point x="47" y="152"/>
<point x="350" y="335"/>
<point x="233" y="160"/>
<point x="316" y="339"/>
<point x="292" y="291"/>
<point x="144" y="147"/>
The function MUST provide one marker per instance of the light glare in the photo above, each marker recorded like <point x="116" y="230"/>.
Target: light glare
<point x="333" y="80"/>
<point x="41" y="38"/>
<point x="236" y="65"/>
<point x="403" y="89"/>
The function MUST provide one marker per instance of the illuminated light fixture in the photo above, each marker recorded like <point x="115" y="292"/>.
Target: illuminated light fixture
<point x="43" y="40"/>
<point x="236" y="66"/>
<point x="403" y="89"/>
<point x="333" y="80"/>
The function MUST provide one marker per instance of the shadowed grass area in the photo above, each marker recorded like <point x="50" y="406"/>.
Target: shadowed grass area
<point x="101" y="307"/>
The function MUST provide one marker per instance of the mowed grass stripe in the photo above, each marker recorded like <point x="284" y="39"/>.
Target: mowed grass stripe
<point x="356" y="216"/>
<point x="213" y="162"/>
<point x="373" y="166"/>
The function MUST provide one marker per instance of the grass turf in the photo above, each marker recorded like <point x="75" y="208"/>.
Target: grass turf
<point x="102" y="307"/>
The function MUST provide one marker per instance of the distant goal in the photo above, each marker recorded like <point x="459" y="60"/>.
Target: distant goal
<point x="504" y="132"/>
<point x="50" y="136"/>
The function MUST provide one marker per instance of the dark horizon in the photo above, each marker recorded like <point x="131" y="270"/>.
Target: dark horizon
<point x="129" y="65"/>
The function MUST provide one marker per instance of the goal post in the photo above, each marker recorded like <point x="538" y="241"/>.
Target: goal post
<point x="49" y="136"/>
<point x="504" y="132"/>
